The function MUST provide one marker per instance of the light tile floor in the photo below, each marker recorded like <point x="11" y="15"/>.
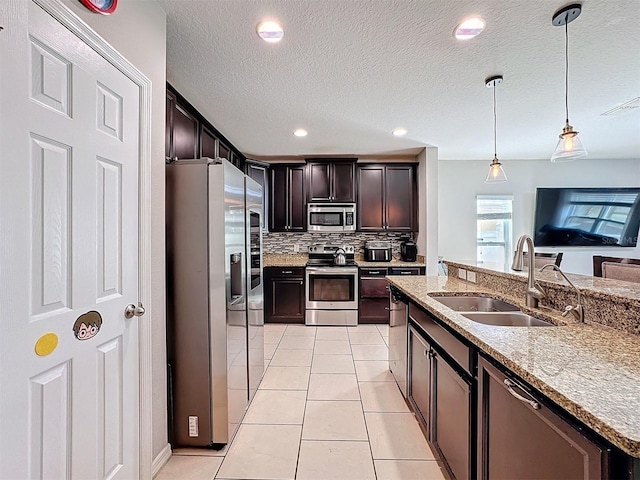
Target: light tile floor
<point x="327" y="408"/>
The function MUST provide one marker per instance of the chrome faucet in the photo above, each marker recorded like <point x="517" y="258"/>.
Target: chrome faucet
<point x="534" y="290"/>
<point x="576" y="310"/>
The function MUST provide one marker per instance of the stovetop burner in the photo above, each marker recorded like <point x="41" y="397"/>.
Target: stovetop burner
<point x="323" y="255"/>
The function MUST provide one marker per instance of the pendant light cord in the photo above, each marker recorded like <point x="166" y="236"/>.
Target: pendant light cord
<point x="566" y="69"/>
<point x="495" y="123"/>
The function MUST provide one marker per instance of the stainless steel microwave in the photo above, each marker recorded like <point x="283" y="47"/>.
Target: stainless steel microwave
<point x="331" y="217"/>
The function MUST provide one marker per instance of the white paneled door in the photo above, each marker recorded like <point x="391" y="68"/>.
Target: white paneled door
<point x="69" y="143"/>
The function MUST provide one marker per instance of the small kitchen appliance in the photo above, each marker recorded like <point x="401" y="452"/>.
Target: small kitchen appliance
<point x="408" y="250"/>
<point x="331" y="217"/>
<point x="377" y="251"/>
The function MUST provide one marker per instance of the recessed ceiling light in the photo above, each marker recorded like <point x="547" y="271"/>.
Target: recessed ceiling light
<point x="300" y="132"/>
<point x="398" y="132"/>
<point x="470" y="28"/>
<point x="270" y="31"/>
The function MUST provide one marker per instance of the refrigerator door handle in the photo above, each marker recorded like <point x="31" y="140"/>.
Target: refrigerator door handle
<point x="236" y="300"/>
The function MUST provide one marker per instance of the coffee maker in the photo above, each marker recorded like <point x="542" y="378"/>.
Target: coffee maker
<point x="408" y="250"/>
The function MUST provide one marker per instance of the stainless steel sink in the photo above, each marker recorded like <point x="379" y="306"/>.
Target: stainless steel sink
<point x="507" y="319"/>
<point x="476" y="304"/>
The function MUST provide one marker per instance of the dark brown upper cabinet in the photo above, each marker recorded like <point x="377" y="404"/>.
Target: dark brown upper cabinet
<point x="185" y="134"/>
<point x="189" y="135"/>
<point x="386" y="198"/>
<point x="331" y="181"/>
<point x="207" y="143"/>
<point x="287" y="212"/>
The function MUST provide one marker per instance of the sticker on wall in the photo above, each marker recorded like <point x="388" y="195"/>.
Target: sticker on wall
<point x="46" y="344"/>
<point x="88" y="325"/>
<point x="105" y="7"/>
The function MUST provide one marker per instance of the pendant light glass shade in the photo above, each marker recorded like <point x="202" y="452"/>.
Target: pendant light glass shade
<point x="496" y="173"/>
<point x="569" y="146"/>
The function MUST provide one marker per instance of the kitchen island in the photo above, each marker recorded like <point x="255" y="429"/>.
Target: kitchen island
<point x="589" y="370"/>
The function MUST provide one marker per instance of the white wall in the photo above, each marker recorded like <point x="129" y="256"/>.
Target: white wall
<point x="427" y="240"/>
<point x="460" y="182"/>
<point x="137" y="30"/>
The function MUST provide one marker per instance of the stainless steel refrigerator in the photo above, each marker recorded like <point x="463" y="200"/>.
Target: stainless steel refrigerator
<point x="215" y="339"/>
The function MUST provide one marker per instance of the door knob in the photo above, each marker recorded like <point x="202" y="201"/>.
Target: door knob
<point x="132" y="311"/>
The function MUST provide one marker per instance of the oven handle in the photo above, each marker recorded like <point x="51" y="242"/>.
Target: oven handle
<point x="332" y="270"/>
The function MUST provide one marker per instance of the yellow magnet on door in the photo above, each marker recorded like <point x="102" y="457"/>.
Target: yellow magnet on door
<point x="46" y="344"/>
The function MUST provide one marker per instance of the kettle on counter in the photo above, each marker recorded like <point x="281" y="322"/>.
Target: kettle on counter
<point x="339" y="257"/>
<point x="408" y="250"/>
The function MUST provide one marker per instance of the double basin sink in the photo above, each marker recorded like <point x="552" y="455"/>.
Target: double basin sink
<point x="491" y="311"/>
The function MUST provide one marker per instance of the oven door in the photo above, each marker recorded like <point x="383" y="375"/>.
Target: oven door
<point x="332" y="288"/>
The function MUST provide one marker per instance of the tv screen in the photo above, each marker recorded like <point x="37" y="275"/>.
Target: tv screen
<point x="587" y="217"/>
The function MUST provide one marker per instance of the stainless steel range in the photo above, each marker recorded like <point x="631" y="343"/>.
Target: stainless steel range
<point x="332" y="286"/>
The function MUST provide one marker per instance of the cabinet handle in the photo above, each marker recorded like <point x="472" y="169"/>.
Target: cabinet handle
<point x="301" y="282"/>
<point x="376" y="272"/>
<point x="510" y="384"/>
<point x="284" y="272"/>
<point x="427" y="353"/>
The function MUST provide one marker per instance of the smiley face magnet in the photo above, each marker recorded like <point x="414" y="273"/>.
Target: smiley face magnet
<point x="88" y="325"/>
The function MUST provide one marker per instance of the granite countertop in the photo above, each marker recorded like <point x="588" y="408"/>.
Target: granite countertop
<point x="597" y="285"/>
<point x="591" y="371"/>
<point x="300" y="260"/>
<point x="284" y="259"/>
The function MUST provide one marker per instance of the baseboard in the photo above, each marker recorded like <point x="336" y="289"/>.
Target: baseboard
<point x="162" y="458"/>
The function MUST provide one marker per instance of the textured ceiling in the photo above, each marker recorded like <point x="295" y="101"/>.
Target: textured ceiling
<point x="351" y="71"/>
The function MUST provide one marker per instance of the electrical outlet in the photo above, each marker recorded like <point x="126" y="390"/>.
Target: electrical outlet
<point x="471" y="276"/>
<point x="193" y="426"/>
<point x="296" y="247"/>
<point x="462" y="273"/>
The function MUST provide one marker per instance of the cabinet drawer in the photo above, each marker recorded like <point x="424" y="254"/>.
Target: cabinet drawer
<point x="373" y="272"/>
<point x="374" y="310"/>
<point x="286" y="272"/>
<point x="457" y="350"/>
<point x="404" y="271"/>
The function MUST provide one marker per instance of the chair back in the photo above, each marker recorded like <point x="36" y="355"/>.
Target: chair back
<point x="621" y="271"/>
<point x="542" y="259"/>
<point x="599" y="259"/>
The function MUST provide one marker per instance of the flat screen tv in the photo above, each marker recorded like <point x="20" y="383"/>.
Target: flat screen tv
<point x="587" y="217"/>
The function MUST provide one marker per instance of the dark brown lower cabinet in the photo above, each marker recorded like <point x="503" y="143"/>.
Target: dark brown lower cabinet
<point x="284" y="296"/>
<point x="374" y="296"/>
<point x="452" y="417"/>
<point x="520" y="437"/>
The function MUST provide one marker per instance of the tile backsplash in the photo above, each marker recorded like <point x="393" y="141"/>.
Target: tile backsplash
<point x="285" y="242"/>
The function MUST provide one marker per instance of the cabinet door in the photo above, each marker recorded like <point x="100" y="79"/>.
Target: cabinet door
<point x="185" y="134"/>
<point x="319" y="182"/>
<point x="297" y="199"/>
<point x="279" y="196"/>
<point x="452" y="429"/>
<point x="419" y="389"/>
<point x="207" y="144"/>
<point x="224" y="151"/>
<point x="170" y="106"/>
<point x="371" y="198"/>
<point x="518" y="440"/>
<point x="400" y="205"/>
<point x="343" y="181"/>
<point x="287" y="300"/>
<point x="374" y="310"/>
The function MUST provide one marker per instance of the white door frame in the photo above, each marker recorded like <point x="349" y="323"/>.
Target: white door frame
<point x="71" y="21"/>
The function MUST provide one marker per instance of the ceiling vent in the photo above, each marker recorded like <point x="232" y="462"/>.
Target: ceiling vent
<point x="624" y="108"/>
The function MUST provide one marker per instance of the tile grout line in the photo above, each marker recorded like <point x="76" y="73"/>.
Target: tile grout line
<point x="306" y="399"/>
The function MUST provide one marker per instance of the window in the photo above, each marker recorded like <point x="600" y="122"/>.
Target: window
<point x="494" y="229"/>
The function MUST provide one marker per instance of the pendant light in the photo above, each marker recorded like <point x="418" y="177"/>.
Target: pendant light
<point x="569" y="145"/>
<point x="496" y="173"/>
